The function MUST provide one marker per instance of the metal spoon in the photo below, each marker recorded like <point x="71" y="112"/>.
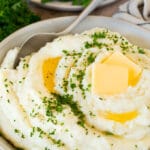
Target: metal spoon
<point x="35" y="42"/>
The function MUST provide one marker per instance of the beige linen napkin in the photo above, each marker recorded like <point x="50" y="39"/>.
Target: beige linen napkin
<point x="136" y="12"/>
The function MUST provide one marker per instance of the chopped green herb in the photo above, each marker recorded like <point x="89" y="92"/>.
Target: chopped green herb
<point x="88" y="45"/>
<point x="101" y="98"/>
<point x="25" y="66"/>
<point x="99" y="35"/>
<point x="22" y="136"/>
<point x="16" y="131"/>
<point x="93" y="44"/>
<point x="91" y="58"/>
<point x="71" y="53"/>
<point x="80" y="75"/>
<point x="53" y="132"/>
<point x="141" y="51"/>
<point x="32" y="132"/>
<point x="73" y="85"/>
<point x="91" y="114"/>
<point x="46" y="148"/>
<point x="19" y="132"/>
<point x="41" y="132"/>
<point x="65" y="83"/>
<point x="68" y="100"/>
<point x="59" y="143"/>
<point x="108" y="133"/>
<point x="66" y="130"/>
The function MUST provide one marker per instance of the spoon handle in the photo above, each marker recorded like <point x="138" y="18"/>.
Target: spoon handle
<point x="84" y="14"/>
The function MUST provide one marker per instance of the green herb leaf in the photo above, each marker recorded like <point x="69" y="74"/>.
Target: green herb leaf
<point x="84" y="3"/>
<point x="14" y="14"/>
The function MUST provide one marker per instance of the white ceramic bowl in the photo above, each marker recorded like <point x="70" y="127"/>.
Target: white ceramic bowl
<point x="66" y="6"/>
<point x="136" y="35"/>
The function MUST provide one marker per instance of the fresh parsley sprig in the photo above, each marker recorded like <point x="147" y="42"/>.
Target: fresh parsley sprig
<point x="14" y="14"/>
<point x="74" y="2"/>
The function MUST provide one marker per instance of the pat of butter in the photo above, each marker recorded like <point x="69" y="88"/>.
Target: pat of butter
<point x="122" y="117"/>
<point x="119" y="59"/>
<point x="49" y="70"/>
<point x="109" y="79"/>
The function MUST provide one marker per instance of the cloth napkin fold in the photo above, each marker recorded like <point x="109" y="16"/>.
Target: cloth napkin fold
<point x="136" y="12"/>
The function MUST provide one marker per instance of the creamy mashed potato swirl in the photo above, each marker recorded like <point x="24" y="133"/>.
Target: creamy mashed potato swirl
<point x="48" y="102"/>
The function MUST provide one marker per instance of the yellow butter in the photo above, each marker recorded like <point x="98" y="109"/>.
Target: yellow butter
<point x="120" y="117"/>
<point x="119" y="59"/>
<point x="49" y="69"/>
<point x="109" y="79"/>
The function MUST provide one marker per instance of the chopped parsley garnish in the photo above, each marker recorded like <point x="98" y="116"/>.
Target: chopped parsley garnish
<point x="7" y="84"/>
<point x="8" y="100"/>
<point x="141" y="51"/>
<point x="52" y="105"/>
<point x="33" y="113"/>
<point x="59" y="143"/>
<point x="65" y="83"/>
<point x="100" y="98"/>
<point x="52" y="132"/>
<point x="80" y="75"/>
<point x="91" y="58"/>
<point x="25" y="66"/>
<point x="92" y="114"/>
<point x="95" y="43"/>
<point x="148" y="107"/>
<point x="58" y="103"/>
<point x="88" y="45"/>
<point x="25" y="63"/>
<point x="99" y="35"/>
<point x="42" y="133"/>
<point x="19" y="132"/>
<point x="32" y="132"/>
<point x="16" y="131"/>
<point x="71" y="53"/>
<point x="73" y="85"/>
<point x="108" y="133"/>
<point x="125" y="46"/>
<point x="47" y="148"/>
<point x="68" y="100"/>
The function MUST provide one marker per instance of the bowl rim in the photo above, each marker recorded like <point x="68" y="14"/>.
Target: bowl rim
<point x="31" y="26"/>
<point x="35" y="25"/>
<point x="65" y="17"/>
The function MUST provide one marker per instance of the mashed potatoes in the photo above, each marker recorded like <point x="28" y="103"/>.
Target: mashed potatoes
<point x="50" y="101"/>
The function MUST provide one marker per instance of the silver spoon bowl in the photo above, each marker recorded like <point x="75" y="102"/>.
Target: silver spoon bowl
<point x="35" y="42"/>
